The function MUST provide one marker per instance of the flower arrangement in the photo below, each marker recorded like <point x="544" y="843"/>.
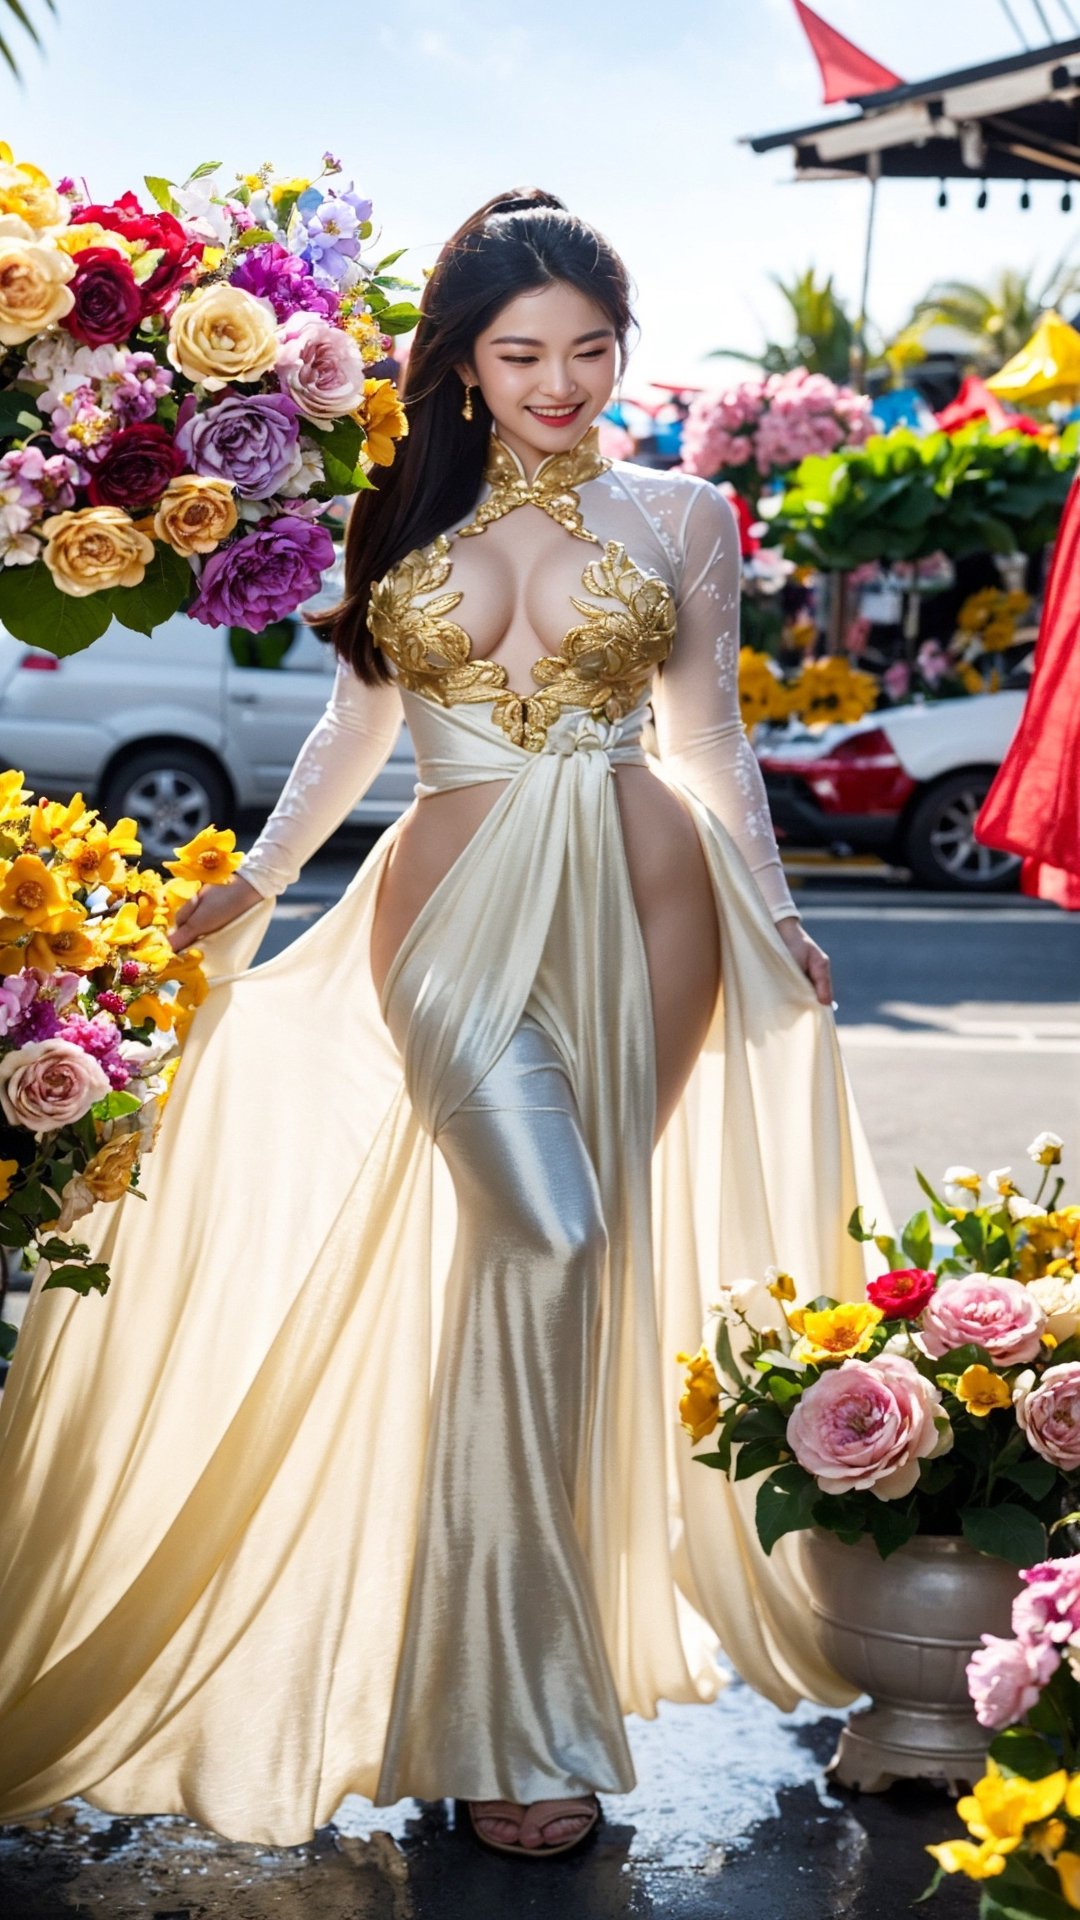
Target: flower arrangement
<point x="762" y="427"/>
<point x="818" y="693"/>
<point x="185" y="388"/>
<point x="946" y="1402"/>
<point x="94" y="1004"/>
<point x="1023" y="1817"/>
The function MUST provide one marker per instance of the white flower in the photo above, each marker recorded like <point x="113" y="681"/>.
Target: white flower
<point x="1071" y="1651"/>
<point x="1021" y="1209"/>
<point x="201" y="213"/>
<point x="1002" y="1182"/>
<point x="17" y="547"/>
<point x="1022" y="1386"/>
<point x="904" y="1344"/>
<point x="308" y="470"/>
<point x="961" y="1186"/>
<point x="1045" y="1149"/>
<point x="1058" y="1294"/>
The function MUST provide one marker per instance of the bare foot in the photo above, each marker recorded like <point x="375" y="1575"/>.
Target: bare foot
<point x="548" y="1823"/>
<point x="498" y="1819"/>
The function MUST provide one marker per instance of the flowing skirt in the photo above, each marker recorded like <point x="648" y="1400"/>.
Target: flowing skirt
<point x="367" y="1476"/>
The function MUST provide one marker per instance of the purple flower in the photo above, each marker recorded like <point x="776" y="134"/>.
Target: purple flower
<point x="39" y="1022"/>
<point x="99" y="1036"/>
<point x="248" y="439"/>
<point x="271" y="272"/>
<point x="263" y="576"/>
<point x="333" y="241"/>
<point x="137" y="386"/>
<point x="17" y="991"/>
<point x="43" y="481"/>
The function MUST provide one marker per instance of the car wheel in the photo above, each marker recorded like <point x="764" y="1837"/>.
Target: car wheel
<point x="171" y="792"/>
<point x="939" y="843"/>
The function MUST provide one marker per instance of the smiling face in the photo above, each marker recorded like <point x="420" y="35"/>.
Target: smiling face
<point x="546" y="367"/>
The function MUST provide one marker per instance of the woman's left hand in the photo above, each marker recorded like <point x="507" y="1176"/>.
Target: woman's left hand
<point x="813" y="960"/>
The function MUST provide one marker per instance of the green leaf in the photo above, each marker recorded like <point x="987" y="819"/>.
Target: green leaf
<point x="917" y="1240"/>
<point x="891" y="1527"/>
<point x="756" y="1458"/>
<point x="1034" y="1477"/>
<point x="162" y="591"/>
<point x="785" y="1504"/>
<point x="204" y="167"/>
<point x="725" y="1354"/>
<point x="17" y="414"/>
<point x="8" y="1337"/>
<point x="253" y="237"/>
<point x="721" y="1460"/>
<point x="159" y="188"/>
<point x="1024" y="1752"/>
<point x="940" y="1210"/>
<point x="402" y="317"/>
<point x="115" y="1102"/>
<point x="1009" y="1532"/>
<point x="35" y="611"/>
<point x="388" y="259"/>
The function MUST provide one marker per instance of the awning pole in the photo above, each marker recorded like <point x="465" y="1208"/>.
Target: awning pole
<point x="858" y="342"/>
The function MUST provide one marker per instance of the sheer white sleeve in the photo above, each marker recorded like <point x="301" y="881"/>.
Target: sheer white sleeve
<point x="352" y="738"/>
<point x="699" y="724"/>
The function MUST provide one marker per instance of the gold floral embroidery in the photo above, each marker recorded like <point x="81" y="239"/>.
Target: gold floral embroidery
<point x="551" y="487"/>
<point x="603" y="666"/>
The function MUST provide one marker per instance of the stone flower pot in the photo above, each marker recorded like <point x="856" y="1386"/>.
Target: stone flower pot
<point x="903" y="1630"/>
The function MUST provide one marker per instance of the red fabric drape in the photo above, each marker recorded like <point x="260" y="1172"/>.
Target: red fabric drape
<point x="845" y="70"/>
<point x="1033" y="807"/>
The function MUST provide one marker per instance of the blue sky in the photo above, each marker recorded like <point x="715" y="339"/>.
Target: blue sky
<point x="629" y="110"/>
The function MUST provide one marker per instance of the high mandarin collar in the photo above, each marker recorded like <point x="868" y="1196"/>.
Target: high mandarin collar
<point x="553" y="486"/>
<point x="556" y="471"/>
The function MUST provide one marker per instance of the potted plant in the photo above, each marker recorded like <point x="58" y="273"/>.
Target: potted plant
<point x="921" y="1442"/>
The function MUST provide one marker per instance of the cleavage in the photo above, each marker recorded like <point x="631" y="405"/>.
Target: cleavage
<point x="516" y="580"/>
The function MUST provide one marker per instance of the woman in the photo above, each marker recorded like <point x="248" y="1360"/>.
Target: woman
<point x="367" y="1476"/>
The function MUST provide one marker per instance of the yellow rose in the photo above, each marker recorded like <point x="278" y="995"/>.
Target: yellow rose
<point x="28" y="193"/>
<point x="195" y="513"/>
<point x="92" y="548"/>
<point x="699" y="1407"/>
<point x="222" y="333"/>
<point x="33" y="288"/>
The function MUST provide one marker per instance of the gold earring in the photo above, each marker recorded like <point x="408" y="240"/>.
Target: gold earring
<point x="466" y="405"/>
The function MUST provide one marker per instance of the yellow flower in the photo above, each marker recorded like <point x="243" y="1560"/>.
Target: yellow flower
<point x="93" y="862"/>
<point x="32" y="892"/>
<point x="383" y="417"/>
<point x="13" y="795"/>
<point x="91" y="548"/>
<point x="1068" y="1873"/>
<point x="8" y="1170"/>
<point x="212" y="258"/>
<point x="220" y="333"/>
<point x="29" y="194"/>
<point x="1046" y="1839"/>
<point x="979" y="1863"/>
<point x="108" y="1174"/>
<point x="699" y="1407"/>
<point x="998" y="1809"/>
<point x="281" y="187"/>
<point x="150" y="1006"/>
<point x="836" y="1333"/>
<point x="52" y="820"/>
<point x="782" y="1286"/>
<point x="33" y="288"/>
<point x="832" y="689"/>
<point x="195" y="513"/>
<point x="981" y="1391"/>
<point x="123" y="928"/>
<point x="64" y="943"/>
<point x="209" y="858"/>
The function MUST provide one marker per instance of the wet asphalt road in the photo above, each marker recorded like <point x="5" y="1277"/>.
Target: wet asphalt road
<point x="961" y="1029"/>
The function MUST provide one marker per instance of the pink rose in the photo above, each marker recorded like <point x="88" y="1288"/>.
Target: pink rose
<point x="1000" y="1315"/>
<point x="320" y="367"/>
<point x="1050" y="1609"/>
<point x="1006" y="1677"/>
<point x="868" y="1424"/>
<point x="49" y="1083"/>
<point x="1049" y="1414"/>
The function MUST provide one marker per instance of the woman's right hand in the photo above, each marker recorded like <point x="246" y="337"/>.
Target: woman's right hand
<point x="212" y="907"/>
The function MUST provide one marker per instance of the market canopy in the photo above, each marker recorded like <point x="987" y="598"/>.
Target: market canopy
<point x="1047" y="368"/>
<point x="1009" y="119"/>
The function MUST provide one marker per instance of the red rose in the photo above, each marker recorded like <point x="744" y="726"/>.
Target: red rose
<point x="158" y="230"/>
<point x="902" y="1295"/>
<point x="107" y="301"/>
<point x="136" y="469"/>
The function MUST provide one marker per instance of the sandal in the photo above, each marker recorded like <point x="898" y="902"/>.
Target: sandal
<point x="590" y="1812"/>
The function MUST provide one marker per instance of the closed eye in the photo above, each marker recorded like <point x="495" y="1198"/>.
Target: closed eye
<point x="524" y="359"/>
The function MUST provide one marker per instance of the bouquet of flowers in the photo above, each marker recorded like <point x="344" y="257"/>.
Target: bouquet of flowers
<point x="750" y="432"/>
<point x="818" y="693"/>
<point x="1023" y="1816"/>
<point x="185" y="389"/>
<point x="946" y="1402"/>
<point x="94" y="1004"/>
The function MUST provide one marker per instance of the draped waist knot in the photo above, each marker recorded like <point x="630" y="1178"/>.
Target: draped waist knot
<point x="581" y="732"/>
<point x="461" y="746"/>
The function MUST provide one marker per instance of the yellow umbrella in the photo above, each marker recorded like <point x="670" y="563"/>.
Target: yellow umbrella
<point x="1047" y="368"/>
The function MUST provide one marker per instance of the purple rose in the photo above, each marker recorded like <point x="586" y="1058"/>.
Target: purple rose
<point x="271" y="272"/>
<point x="248" y="439"/>
<point x="263" y="576"/>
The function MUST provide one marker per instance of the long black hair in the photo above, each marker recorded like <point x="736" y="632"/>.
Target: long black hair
<point x="516" y="243"/>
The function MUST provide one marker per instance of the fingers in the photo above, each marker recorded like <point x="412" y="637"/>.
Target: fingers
<point x="820" y="971"/>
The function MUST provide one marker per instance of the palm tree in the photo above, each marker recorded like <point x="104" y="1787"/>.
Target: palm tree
<point x="822" y="327"/>
<point x="19" y="12"/>
<point x="997" y="319"/>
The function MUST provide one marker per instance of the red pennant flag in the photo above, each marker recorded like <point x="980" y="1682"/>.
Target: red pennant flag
<point x="1033" y="807"/>
<point x="845" y="69"/>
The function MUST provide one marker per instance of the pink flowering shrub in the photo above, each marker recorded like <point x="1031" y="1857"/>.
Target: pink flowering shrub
<point x="763" y="426"/>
